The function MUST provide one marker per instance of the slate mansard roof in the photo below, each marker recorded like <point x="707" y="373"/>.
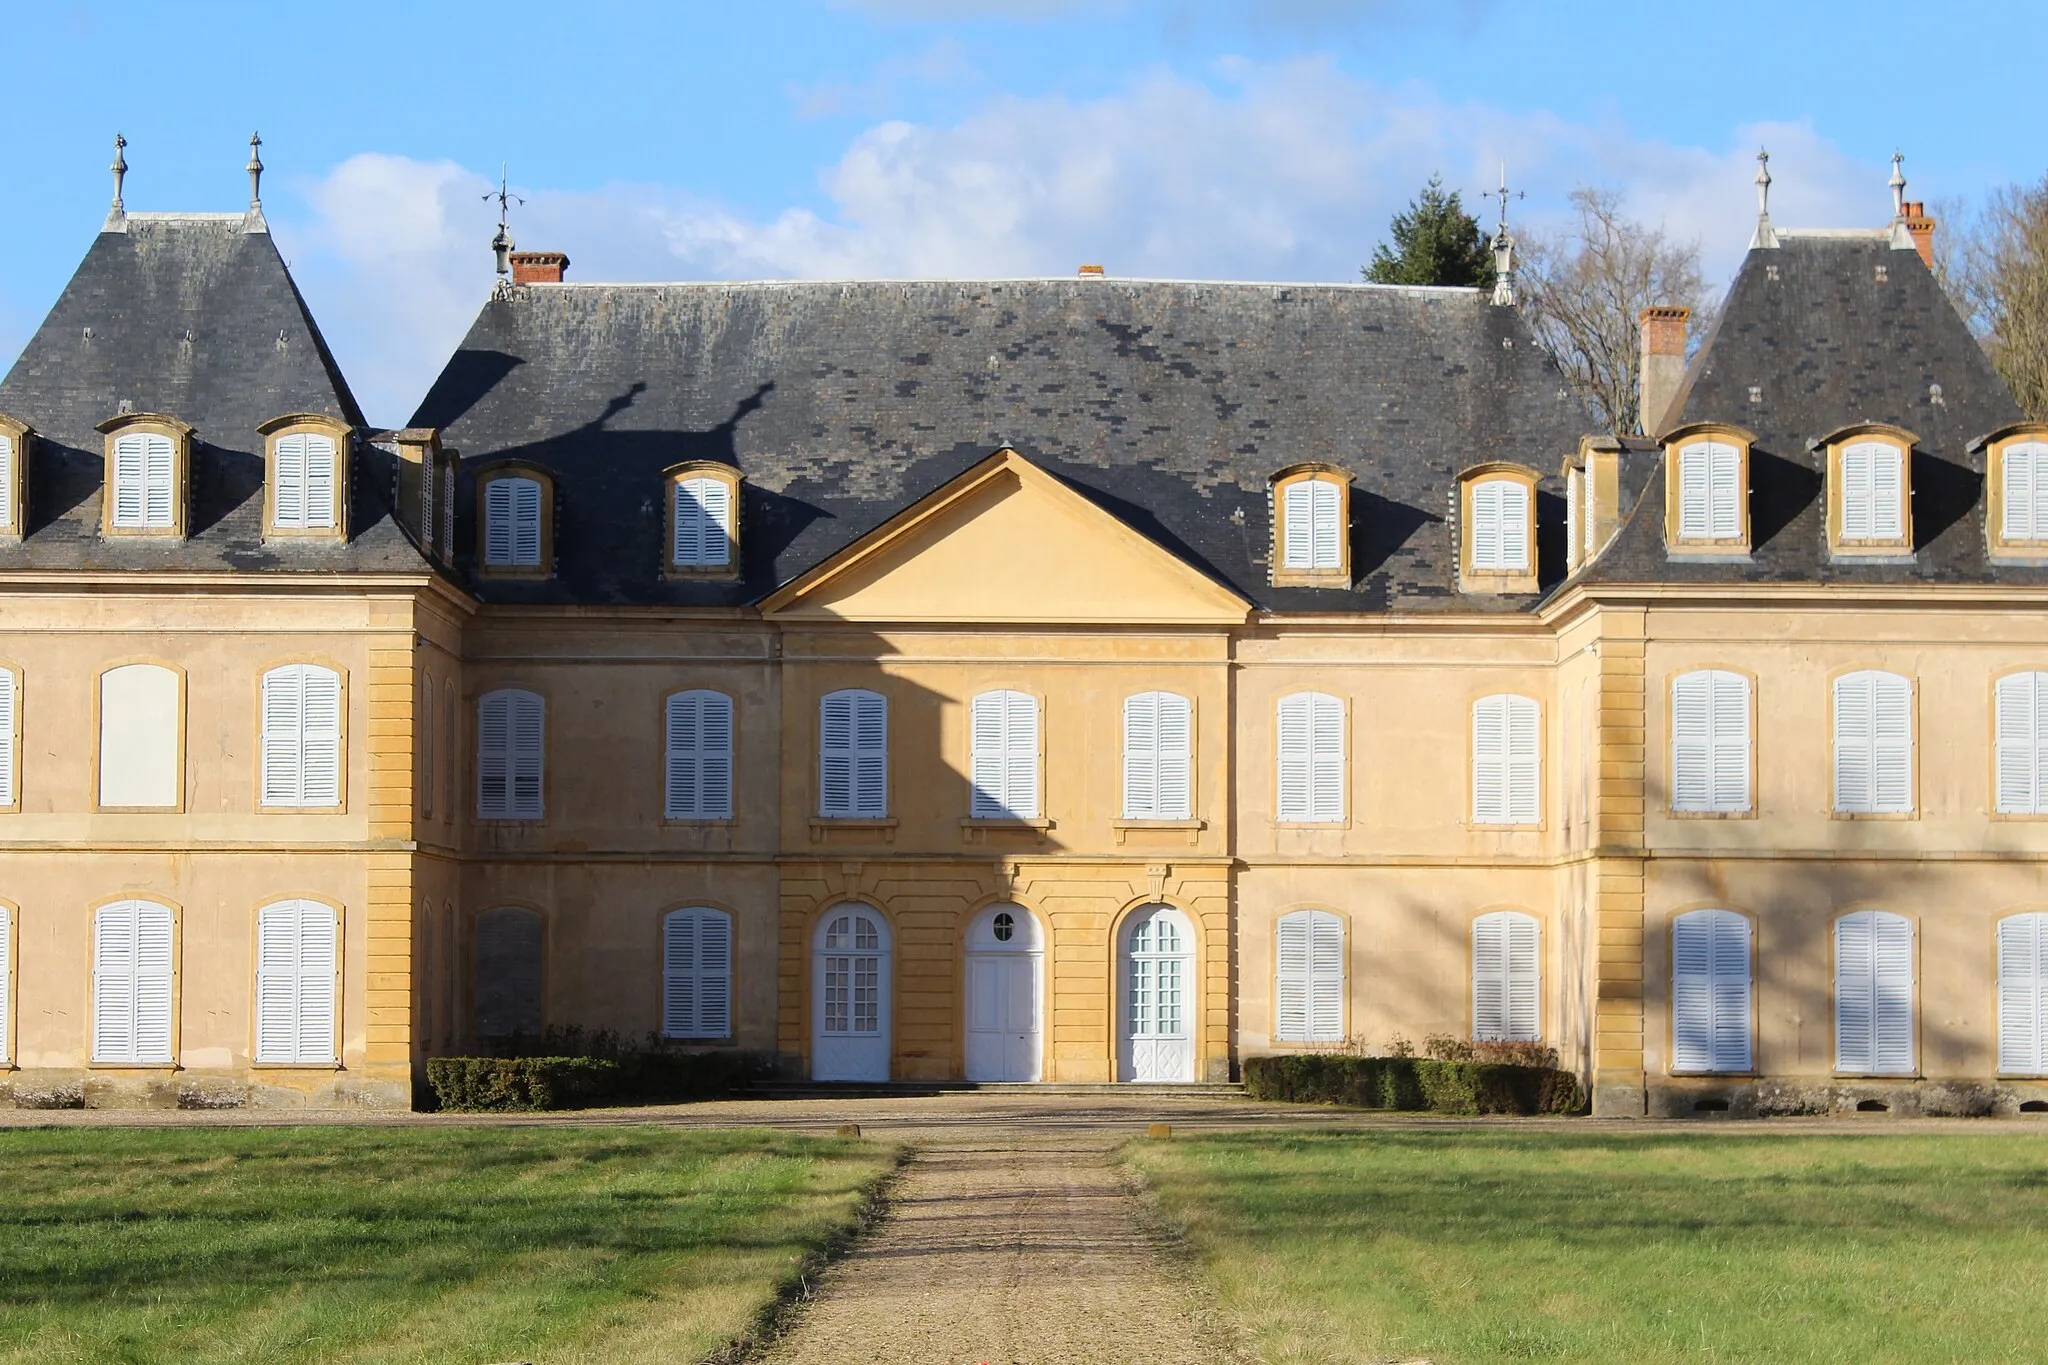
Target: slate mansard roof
<point x="194" y="316"/>
<point x="1827" y="330"/>
<point x="1170" y="404"/>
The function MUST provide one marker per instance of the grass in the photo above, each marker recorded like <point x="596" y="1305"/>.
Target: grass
<point x="1491" y="1245"/>
<point x="436" y="1244"/>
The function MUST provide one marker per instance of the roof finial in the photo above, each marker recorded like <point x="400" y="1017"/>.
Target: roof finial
<point x="1765" y="236"/>
<point x="120" y="170"/>
<point x="501" y="245"/>
<point x="1898" y="184"/>
<point x="255" y="169"/>
<point x="1504" y="243"/>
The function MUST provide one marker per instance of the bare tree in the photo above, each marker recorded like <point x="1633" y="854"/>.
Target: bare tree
<point x="1585" y="289"/>
<point x="1996" y="268"/>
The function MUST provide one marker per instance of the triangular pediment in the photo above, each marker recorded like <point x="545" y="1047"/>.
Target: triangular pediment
<point x="1006" y="542"/>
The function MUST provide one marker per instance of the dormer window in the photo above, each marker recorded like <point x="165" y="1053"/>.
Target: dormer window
<point x="14" y="440"/>
<point x="306" y="487"/>
<point x="1497" y="518"/>
<point x="1870" y="509"/>
<point x="147" y="458"/>
<point x="2016" y="480"/>
<point x="703" y="514"/>
<point x="1707" y="490"/>
<point x="1311" y="513"/>
<point x="517" y="538"/>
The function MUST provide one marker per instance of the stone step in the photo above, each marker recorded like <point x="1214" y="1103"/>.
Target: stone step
<point x="825" y="1090"/>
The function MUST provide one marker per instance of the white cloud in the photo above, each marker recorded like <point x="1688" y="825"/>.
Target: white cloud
<point x="1271" y="171"/>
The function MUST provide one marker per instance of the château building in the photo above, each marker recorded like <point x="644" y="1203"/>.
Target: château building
<point x="1082" y="679"/>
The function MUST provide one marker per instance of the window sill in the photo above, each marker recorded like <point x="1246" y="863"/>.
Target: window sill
<point x="822" y="825"/>
<point x="1873" y="815"/>
<point x="529" y="573"/>
<point x="729" y="1040"/>
<point x="1674" y="813"/>
<point x="1707" y="552"/>
<point x="700" y="573"/>
<point x="1485" y="583"/>
<point x="977" y="829"/>
<point x="2030" y="554"/>
<point x="336" y="809"/>
<point x="1871" y="554"/>
<point x="1338" y="823"/>
<point x="1312" y="578"/>
<point x="159" y="1067"/>
<point x="1190" y="828"/>
<point x="297" y="1066"/>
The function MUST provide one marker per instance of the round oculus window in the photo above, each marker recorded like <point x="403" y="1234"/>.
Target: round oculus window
<point x="1004" y="927"/>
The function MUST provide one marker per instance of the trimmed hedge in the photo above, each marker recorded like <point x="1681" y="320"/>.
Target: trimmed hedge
<point x="526" y="1083"/>
<point x="1415" y="1084"/>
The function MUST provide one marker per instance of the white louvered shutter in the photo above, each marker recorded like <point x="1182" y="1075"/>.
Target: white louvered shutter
<point x="1309" y="981"/>
<point x="301" y="741"/>
<point x="1506" y="977"/>
<point x="498" y="521"/>
<point x="853" y="756"/>
<point x="1003" y="760"/>
<point x="1710" y="741"/>
<point x="131" y="983"/>
<point x="1873" y="492"/>
<point x="289" y="495"/>
<point x="2022" y="995"/>
<point x="512" y="515"/>
<point x="7" y="455"/>
<point x="1710" y="491"/>
<point x="10" y="727"/>
<point x="143" y="488"/>
<point x="2022" y="744"/>
<point x="428" y="522"/>
<point x="511" y="744"/>
<point x="1874" y="993"/>
<point x="1507" y="774"/>
<point x="448" y="508"/>
<point x="2026" y="491"/>
<point x="1710" y="989"/>
<point x="296" y="955"/>
<point x="1873" y="744"/>
<point x="320" y="474"/>
<point x="1586" y="513"/>
<point x="1313" y="532"/>
<point x="1158" y="752"/>
<point x="703" y="522"/>
<point x="1500" y="525"/>
<point x="696" y="974"/>
<point x="699" y="783"/>
<point x="1310" y="778"/>
<point x="6" y="985"/>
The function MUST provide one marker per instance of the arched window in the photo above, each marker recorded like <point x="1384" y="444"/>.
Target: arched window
<point x="1873" y="744"/>
<point x="1874" y="993"/>
<point x="1500" y="526"/>
<point x="511" y="746"/>
<point x="2025" y="485"/>
<point x="1710" y="991"/>
<point x="2022" y="744"/>
<point x="2023" y="995"/>
<point x="142" y="718"/>
<point x="1507" y="977"/>
<point x="1710" y="491"/>
<point x="699" y="785"/>
<point x="1506" y="761"/>
<point x="1308" y="989"/>
<point x="297" y="951"/>
<point x="1710" y="741"/>
<point x="507" y="984"/>
<point x="702" y="513"/>
<point x="301" y="736"/>
<point x="1158" y="755"/>
<point x="696" y="974"/>
<point x="1004" y="763"/>
<point x="853" y="755"/>
<point x="512" y="522"/>
<point x="1310" y="778"/>
<point x="132" y="968"/>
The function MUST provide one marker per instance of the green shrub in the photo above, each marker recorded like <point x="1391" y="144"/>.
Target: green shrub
<point x="1413" y="1084"/>
<point x="654" y="1076"/>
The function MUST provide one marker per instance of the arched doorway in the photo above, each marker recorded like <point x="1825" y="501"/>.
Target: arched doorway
<point x="850" y="996"/>
<point x="1156" y="1004"/>
<point x="1005" y="995"/>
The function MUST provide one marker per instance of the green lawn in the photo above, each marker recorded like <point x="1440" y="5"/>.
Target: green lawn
<point x="544" y="1243"/>
<point x="1501" y="1244"/>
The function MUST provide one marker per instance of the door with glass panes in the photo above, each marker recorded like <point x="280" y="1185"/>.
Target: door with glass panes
<point x="1157" y="1005"/>
<point x="1005" y="985"/>
<point x="850" y="996"/>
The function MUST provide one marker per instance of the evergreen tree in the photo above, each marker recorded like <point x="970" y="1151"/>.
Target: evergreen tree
<point x="1435" y="242"/>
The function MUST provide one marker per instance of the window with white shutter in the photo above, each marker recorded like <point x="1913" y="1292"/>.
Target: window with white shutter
<point x="448" y="509"/>
<point x="696" y="974"/>
<point x="506" y="985"/>
<point x="512" y="522"/>
<point x="297" y="954"/>
<point x="302" y="468"/>
<point x="1873" y="496"/>
<point x="2021" y="743"/>
<point x="1312" y="525"/>
<point x="132" y="970"/>
<point x="2023" y="995"/>
<point x="1158" y="756"/>
<point x="428" y="525"/>
<point x="1873" y="744"/>
<point x="511" y="750"/>
<point x="6" y="984"/>
<point x="1586" y="514"/>
<point x="1308" y="988"/>
<point x="10" y="739"/>
<point x="1310" y="752"/>
<point x="2024" y="485"/>
<point x="1874" y="994"/>
<point x="1003" y="763"/>
<point x="699" y="769"/>
<point x="1574" y="480"/>
<point x="703" y="523"/>
<point x="301" y="742"/>
<point x="853" y="755"/>
<point x="1710" y="741"/>
<point x="1507" y="763"/>
<point x="144" y="495"/>
<point x="1710" y="492"/>
<point x="10" y="475"/>
<point x="1500" y="526"/>
<point x="1507" y="977"/>
<point x="1710" y="988"/>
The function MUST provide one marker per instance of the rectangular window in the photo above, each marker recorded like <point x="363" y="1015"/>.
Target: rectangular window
<point x="2026" y="492"/>
<point x="1710" y="992"/>
<point x="301" y="741"/>
<point x="303" y="469"/>
<point x="447" y="509"/>
<point x="10" y="743"/>
<point x="1311" y="525"/>
<point x="1158" y="754"/>
<point x="1710" y="491"/>
<point x="2022" y="744"/>
<point x="1874" y="994"/>
<point x="1873" y="492"/>
<point x="297" y="951"/>
<point x="1873" y="744"/>
<point x="1507" y="978"/>
<point x="132" y="984"/>
<point x="703" y="523"/>
<point x="143" y="493"/>
<point x="1506" y="761"/>
<point x="141" y="715"/>
<point x="696" y="974"/>
<point x="1004" y="762"/>
<point x="7" y="478"/>
<point x="1500" y="526"/>
<point x="1310" y="747"/>
<point x="6" y="985"/>
<point x="853" y="756"/>
<point x="699" y="785"/>
<point x="1309" y="985"/>
<point x="511" y="742"/>
<point x="1710" y="742"/>
<point x="512" y="515"/>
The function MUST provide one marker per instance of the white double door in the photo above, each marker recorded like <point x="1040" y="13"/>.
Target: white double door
<point x="1005" y="995"/>
<point x="1156" y="996"/>
<point x="850" y="1030"/>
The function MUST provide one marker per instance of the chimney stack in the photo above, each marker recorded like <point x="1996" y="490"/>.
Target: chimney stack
<point x="538" y="267"/>
<point x="1090" y="272"/>
<point x="1663" y="363"/>
<point x="1921" y="228"/>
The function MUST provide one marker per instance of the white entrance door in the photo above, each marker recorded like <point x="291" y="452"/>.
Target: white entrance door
<point x="1158" y="996"/>
<point x="1005" y="985"/>
<point x="850" y="996"/>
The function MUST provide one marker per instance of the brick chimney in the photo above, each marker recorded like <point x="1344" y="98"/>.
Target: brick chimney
<point x="538" y="267"/>
<point x="1921" y="228"/>
<point x="1090" y="272"/>
<point x="1663" y="362"/>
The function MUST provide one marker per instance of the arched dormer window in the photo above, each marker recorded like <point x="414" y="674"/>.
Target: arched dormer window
<point x="1870" y="490"/>
<point x="15" y="438"/>
<point x="1311" y="527"/>
<point x="305" y="479"/>
<point x="2016" y="491"/>
<point x="517" y="538"/>
<point x="1497" y="529"/>
<point x="1706" y="490"/>
<point x="149" y="458"/>
<point x="703" y="519"/>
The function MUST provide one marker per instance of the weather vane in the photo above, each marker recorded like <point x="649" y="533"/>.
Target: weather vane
<point x="1504" y="243"/>
<point x="501" y="245"/>
<point x="1504" y="194"/>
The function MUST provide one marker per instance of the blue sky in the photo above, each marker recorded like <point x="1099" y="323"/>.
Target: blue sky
<point x="1264" y="139"/>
